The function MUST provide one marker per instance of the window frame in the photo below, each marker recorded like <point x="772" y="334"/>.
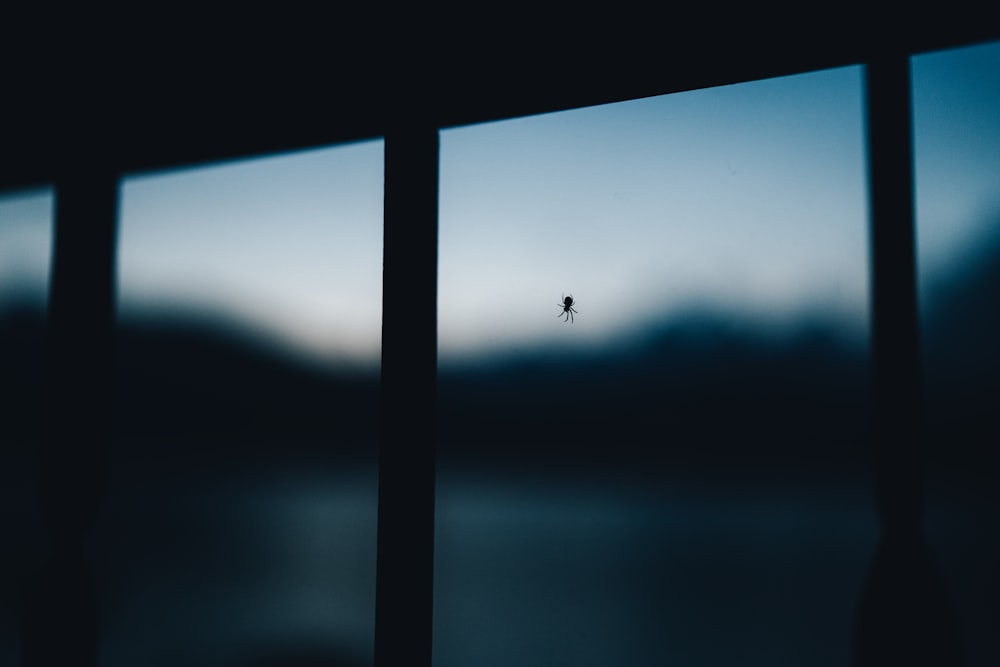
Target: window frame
<point x="82" y="306"/>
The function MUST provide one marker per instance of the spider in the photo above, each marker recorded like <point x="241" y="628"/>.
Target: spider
<point x="567" y="308"/>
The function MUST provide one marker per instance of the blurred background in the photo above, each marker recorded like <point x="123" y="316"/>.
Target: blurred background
<point x="681" y="475"/>
<point x="687" y="460"/>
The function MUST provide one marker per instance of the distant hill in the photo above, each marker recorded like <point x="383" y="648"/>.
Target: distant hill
<point x="961" y="361"/>
<point x="22" y="370"/>
<point x="190" y="382"/>
<point x="690" y="389"/>
<point x="693" y="387"/>
<point x="195" y="386"/>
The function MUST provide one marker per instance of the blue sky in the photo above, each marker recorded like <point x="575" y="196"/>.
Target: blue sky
<point x="290" y="246"/>
<point x="748" y="201"/>
<point x="956" y="95"/>
<point x="25" y="247"/>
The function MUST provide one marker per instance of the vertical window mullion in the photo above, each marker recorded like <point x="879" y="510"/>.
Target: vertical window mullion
<point x="61" y="626"/>
<point x="894" y="297"/>
<point x="404" y="575"/>
<point x="904" y="615"/>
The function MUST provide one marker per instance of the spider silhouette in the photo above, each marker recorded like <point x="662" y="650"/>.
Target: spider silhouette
<point x="567" y="308"/>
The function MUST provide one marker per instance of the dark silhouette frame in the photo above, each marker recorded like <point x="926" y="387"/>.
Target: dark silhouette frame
<point x="77" y="121"/>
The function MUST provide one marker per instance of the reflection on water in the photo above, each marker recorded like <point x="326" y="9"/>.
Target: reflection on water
<point x="203" y="570"/>
<point x="698" y="571"/>
<point x="210" y="569"/>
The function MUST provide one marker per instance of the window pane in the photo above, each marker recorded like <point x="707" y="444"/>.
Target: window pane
<point x="684" y="459"/>
<point x="25" y="258"/>
<point x="240" y="523"/>
<point x="957" y="162"/>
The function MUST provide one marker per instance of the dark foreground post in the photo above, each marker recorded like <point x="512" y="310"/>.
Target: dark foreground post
<point x="904" y="617"/>
<point x="404" y="579"/>
<point x="60" y="625"/>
